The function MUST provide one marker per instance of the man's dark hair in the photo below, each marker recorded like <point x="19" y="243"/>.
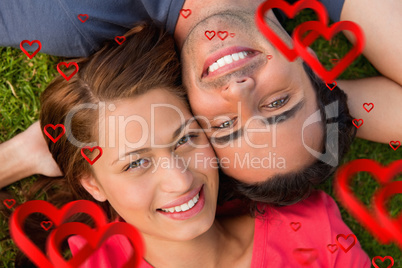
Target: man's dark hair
<point x="290" y="188"/>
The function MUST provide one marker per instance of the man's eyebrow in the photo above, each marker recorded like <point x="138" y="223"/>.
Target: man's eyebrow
<point x="267" y="121"/>
<point x="139" y="151"/>
<point x="224" y="139"/>
<point x="285" y="115"/>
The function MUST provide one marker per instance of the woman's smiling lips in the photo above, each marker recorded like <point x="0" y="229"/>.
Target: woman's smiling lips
<point x="185" y="207"/>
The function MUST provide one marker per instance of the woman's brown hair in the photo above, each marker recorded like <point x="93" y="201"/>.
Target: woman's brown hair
<point x="146" y="60"/>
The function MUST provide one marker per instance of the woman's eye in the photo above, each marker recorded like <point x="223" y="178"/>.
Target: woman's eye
<point x="138" y="163"/>
<point x="185" y="139"/>
<point x="278" y="103"/>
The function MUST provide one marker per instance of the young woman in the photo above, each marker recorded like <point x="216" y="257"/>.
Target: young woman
<point x="157" y="171"/>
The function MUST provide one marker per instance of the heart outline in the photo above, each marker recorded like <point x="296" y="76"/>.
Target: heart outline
<point x="391" y="143"/>
<point x="83" y="15"/>
<point x="54" y="128"/>
<point x="30" y="43"/>
<point x="368" y="104"/>
<point x="91" y="150"/>
<point x="182" y="11"/>
<point x="57" y="216"/>
<point x="382" y="259"/>
<point x="6" y="201"/>
<point x="67" y="66"/>
<point x="291" y="11"/>
<point x="120" y="39"/>
<point x="207" y="32"/>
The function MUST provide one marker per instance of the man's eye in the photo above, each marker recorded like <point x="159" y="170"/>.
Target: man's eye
<point x="278" y="103"/>
<point x="226" y="124"/>
<point x="137" y="164"/>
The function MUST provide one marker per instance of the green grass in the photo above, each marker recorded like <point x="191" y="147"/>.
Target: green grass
<point x="22" y="80"/>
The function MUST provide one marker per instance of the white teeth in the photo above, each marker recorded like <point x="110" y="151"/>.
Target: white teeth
<point x="228" y="59"/>
<point x="221" y="62"/>
<point x="185" y="206"/>
<point x="177" y="208"/>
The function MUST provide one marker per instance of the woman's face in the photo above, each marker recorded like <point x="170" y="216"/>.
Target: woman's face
<point x="158" y="170"/>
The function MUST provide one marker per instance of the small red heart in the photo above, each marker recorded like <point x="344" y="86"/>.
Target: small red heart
<point x="346" y="238"/>
<point x="334" y="84"/>
<point x="368" y="104"/>
<point x="332" y="248"/>
<point x="393" y="143"/>
<point x="54" y="128"/>
<point x="232" y="35"/>
<point x="120" y="39"/>
<point x="210" y="34"/>
<point x="382" y="259"/>
<point x="269" y="57"/>
<point x="334" y="61"/>
<point x="30" y="56"/>
<point x="46" y="225"/>
<point x="223" y="34"/>
<point x="356" y="122"/>
<point x="305" y="256"/>
<point x="185" y="13"/>
<point x="83" y="17"/>
<point x="91" y="149"/>
<point x="9" y="203"/>
<point x="67" y="66"/>
<point x="295" y="226"/>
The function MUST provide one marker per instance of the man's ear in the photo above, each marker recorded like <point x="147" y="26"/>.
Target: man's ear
<point x="92" y="186"/>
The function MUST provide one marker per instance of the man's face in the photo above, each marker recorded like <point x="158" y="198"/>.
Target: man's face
<point x="252" y="106"/>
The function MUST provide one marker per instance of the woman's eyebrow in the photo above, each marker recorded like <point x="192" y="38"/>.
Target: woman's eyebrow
<point x="138" y="151"/>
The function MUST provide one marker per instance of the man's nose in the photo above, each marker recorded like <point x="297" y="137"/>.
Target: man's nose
<point x="238" y="89"/>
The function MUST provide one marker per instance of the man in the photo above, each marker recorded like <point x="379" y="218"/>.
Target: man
<point x="256" y="79"/>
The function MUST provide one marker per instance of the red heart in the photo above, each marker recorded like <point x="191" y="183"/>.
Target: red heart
<point x="332" y="248"/>
<point x="328" y="32"/>
<point x="333" y="86"/>
<point x="9" y="203"/>
<point x="356" y="122"/>
<point x="83" y="17"/>
<point x="295" y="226"/>
<point x="232" y="35"/>
<point x="334" y="61"/>
<point x="291" y="11"/>
<point x="210" y="34"/>
<point x="392" y="143"/>
<point x="223" y="34"/>
<point x="382" y="259"/>
<point x="30" y="56"/>
<point x="346" y="238"/>
<point x="345" y="195"/>
<point x="368" y="104"/>
<point x="56" y="216"/>
<point x="394" y="226"/>
<point x="269" y="57"/>
<point x="46" y="225"/>
<point x="120" y="39"/>
<point x="67" y="66"/>
<point x="95" y="239"/>
<point x="305" y="256"/>
<point x="185" y="13"/>
<point x="91" y="149"/>
<point x="54" y="128"/>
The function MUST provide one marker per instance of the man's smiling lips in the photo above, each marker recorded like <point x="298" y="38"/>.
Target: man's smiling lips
<point x="226" y="60"/>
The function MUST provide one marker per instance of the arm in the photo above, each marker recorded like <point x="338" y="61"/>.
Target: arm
<point x="384" y="122"/>
<point x="381" y="23"/>
<point x="24" y="155"/>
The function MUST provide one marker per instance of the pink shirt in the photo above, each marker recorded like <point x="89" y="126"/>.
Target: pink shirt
<point x="284" y="237"/>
